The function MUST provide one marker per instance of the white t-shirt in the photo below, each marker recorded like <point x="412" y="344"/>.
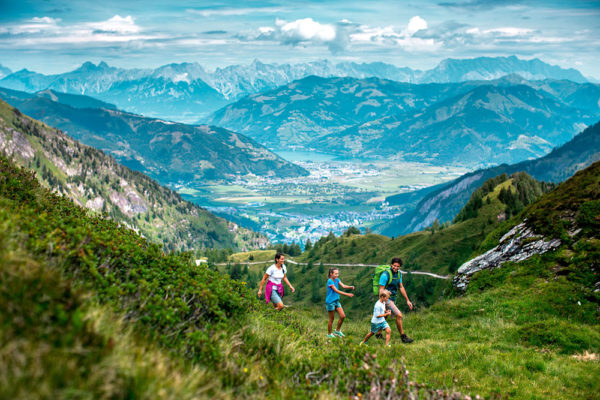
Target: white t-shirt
<point x="378" y="310"/>
<point x="276" y="274"/>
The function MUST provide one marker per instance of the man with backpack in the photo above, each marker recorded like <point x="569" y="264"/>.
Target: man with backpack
<point x="391" y="279"/>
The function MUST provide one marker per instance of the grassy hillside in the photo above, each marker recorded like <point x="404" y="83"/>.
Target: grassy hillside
<point x="97" y="181"/>
<point x="92" y="310"/>
<point x="526" y="330"/>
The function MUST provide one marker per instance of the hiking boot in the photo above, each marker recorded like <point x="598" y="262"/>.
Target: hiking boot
<point x="339" y="333"/>
<point x="406" y="339"/>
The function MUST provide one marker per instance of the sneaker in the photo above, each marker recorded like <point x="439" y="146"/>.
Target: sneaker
<point x="406" y="339"/>
<point x="362" y="344"/>
<point x="331" y="336"/>
<point x="339" y="333"/>
<point x="388" y="345"/>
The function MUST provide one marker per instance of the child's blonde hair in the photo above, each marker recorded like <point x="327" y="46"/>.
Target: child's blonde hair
<point x="385" y="293"/>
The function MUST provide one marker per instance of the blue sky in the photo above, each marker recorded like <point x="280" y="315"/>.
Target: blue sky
<point x="55" y="36"/>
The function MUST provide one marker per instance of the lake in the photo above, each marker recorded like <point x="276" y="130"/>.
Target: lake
<point x="305" y="156"/>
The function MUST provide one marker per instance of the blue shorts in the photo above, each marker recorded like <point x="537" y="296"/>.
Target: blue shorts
<point x="379" y="327"/>
<point x="275" y="299"/>
<point x="333" y="305"/>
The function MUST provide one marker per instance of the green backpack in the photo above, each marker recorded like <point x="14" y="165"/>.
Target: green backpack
<point x="378" y="271"/>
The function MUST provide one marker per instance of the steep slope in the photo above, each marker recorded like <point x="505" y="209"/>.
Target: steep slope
<point x="447" y="200"/>
<point x="167" y="151"/>
<point x="91" y="178"/>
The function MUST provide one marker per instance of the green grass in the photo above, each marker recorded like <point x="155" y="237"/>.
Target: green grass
<point x="92" y="310"/>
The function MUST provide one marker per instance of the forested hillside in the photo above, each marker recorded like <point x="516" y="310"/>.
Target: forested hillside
<point x="94" y="180"/>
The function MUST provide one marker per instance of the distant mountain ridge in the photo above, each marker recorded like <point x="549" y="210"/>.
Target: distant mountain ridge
<point x="187" y="92"/>
<point x="445" y="201"/>
<point x="474" y="123"/>
<point x="169" y="152"/>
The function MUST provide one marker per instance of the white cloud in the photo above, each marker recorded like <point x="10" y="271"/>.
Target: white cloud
<point x="306" y="29"/>
<point x="337" y="37"/>
<point x="46" y="30"/>
<point x="415" y="24"/>
<point x="116" y="24"/>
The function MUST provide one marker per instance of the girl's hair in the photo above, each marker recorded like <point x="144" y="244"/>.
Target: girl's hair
<point x="331" y="271"/>
<point x="385" y="293"/>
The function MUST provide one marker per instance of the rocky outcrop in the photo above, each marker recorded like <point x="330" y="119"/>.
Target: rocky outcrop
<point x="517" y="245"/>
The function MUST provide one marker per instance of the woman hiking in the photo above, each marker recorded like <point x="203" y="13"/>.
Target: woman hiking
<point x="274" y="275"/>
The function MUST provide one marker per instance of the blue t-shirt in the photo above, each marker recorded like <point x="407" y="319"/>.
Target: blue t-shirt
<point x="394" y="285"/>
<point x="331" y="294"/>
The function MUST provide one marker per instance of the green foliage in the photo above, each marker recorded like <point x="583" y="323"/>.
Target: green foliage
<point x="123" y="268"/>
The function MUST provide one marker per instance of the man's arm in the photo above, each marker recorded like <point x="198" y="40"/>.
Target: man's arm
<point x="403" y="291"/>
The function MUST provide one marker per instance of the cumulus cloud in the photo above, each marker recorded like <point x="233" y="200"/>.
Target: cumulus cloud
<point x="117" y="24"/>
<point x="338" y="37"/>
<point x="305" y="30"/>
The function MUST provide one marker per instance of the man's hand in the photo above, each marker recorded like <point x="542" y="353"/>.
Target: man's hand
<point x="410" y="305"/>
<point x="351" y="287"/>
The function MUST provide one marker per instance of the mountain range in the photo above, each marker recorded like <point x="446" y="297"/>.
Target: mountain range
<point x="167" y="151"/>
<point x="473" y="123"/>
<point x="187" y="92"/>
<point x="443" y="202"/>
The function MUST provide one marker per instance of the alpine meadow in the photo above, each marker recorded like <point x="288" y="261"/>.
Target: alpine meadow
<point x="283" y="200"/>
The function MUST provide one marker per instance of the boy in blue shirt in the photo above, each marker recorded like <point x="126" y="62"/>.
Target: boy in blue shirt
<point x="332" y="301"/>
<point x="393" y="283"/>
